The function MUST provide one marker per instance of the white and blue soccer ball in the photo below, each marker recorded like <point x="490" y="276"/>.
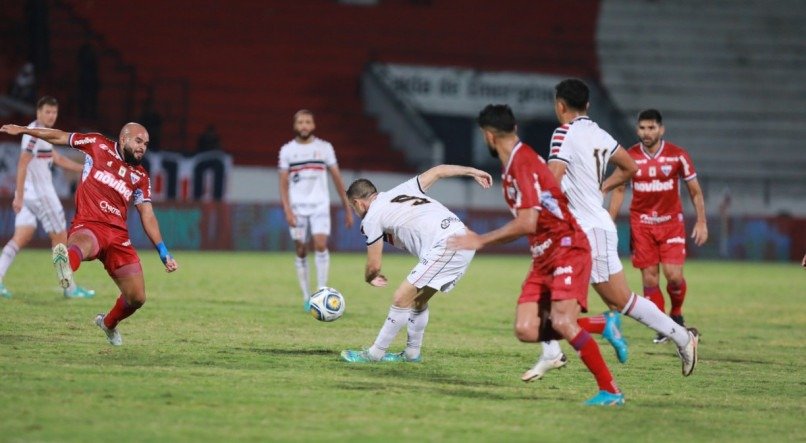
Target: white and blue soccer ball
<point x="327" y="304"/>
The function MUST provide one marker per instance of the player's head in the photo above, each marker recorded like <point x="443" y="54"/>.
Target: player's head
<point x="133" y="143"/>
<point x="47" y="109"/>
<point x="571" y="96"/>
<point x="360" y="194"/>
<point x="650" y="127"/>
<point x="496" y="121"/>
<point x="303" y="124"/>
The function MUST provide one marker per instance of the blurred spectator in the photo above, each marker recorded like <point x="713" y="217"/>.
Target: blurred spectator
<point x="208" y="140"/>
<point x="88" y="82"/>
<point x="24" y="86"/>
<point x="152" y="120"/>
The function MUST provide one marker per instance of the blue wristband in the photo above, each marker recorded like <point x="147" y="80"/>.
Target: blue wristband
<point x="163" y="252"/>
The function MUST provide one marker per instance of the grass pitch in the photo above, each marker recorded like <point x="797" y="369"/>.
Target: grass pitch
<point x="222" y="351"/>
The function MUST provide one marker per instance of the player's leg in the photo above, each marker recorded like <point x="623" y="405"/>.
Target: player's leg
<point x="73" y="290"/>
<point x="676" y="287"/>
<point x="23" y="233"/>
<point x="320" y="230"/>
<point x="82" y="244"/>
<point x="130" y="282"/>
<point x="299" y="234"/>
<point x="532" y="325"/>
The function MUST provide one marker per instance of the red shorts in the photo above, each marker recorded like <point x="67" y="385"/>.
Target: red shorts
<point x="653" y="244"/>
<point x="115" y="249"/>
<point x="568" y="278"/>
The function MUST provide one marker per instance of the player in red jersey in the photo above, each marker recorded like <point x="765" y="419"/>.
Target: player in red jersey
<point x="557" y="284"/>
<point x="658" y="235"/>
<point x="112" y="178"/>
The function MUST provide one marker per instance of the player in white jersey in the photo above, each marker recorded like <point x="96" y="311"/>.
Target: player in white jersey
<point x="578" y="158"/>
<point x="303" y="166"/>
<point x="35" y="197"/>
<point x="407" y="218"/>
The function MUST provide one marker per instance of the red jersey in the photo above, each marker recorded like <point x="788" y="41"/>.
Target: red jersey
<point x="655" y="187"/>
<point x="528" y="183"/>
<point x="108" y="183"/>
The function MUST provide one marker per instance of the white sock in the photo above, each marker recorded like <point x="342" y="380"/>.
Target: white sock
<point x="302" y="275"/>
<point x="648" y="314"/>
<point x="322" y="260"/>
<point x="551" y="350"/>
<point x="9" y="252"/>
<point x="397" y="318"/>
<point x="418" y="320"/>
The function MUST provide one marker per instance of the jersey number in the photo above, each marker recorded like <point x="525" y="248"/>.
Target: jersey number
<point x="409" y="198"/>
<point x="601" y="164"/>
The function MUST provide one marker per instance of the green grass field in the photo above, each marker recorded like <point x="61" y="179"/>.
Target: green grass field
<point x="223" y="352"/>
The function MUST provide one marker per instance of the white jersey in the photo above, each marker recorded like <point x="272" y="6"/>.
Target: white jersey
<point x="38" y="177"/>
<point x="307" y="165"/>
<point x="408" y="219"/>
<point x="586" y="149"/>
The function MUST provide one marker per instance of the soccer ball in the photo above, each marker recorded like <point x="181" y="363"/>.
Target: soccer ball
<point x="327" y="304"/>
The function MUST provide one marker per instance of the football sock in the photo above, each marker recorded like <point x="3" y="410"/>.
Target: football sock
<point x="654" y="294"/>
<point x="677" y="293"/>
<point x="120" y="311"/>
<point x="594" y="324"/>
<point x="75" y="255"/>
<point x="418" y="320"/>
<point x="589" y="352"/>
<point x="551" y="350"/>
<point x="397" y="318"/>
<point x="302" y="275"/>
<point x="648" y="314"/>
<point x="9" y="252"/>
<point x="322" y="260"/>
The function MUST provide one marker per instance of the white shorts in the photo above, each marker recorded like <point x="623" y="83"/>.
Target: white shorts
<point x="317" y="223"/>
<point x="604" y="254"/>
<point x="48" y="210"/>
<point x="441" y="268"/>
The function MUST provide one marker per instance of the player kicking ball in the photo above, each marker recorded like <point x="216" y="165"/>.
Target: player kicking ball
<point x="112" y="178"/>
<point x="407" y="218"/>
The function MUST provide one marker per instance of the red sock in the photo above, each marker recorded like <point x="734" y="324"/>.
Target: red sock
<point x="120" y="311"/>
<point x="655" y="296"/>
<point x="75" y="255"/>
<point x="677" y="294"/>
<point x="594" y="324"/>
<point x="589" y="352"/>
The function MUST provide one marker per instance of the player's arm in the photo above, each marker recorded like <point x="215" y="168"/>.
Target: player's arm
<point x="22" y="171"/>
<point x="700" y="231"/>
<point x="52" y="136"/>
<point x="152" y="229"/>
<point x="524" y="223"/>
<point x="339" y="184"/>
<point x="557" y="168"/>
<point x="616" y="200"/>
<point x="625" y="170"/>
<point x="66" y="163"/>
<point x="429" y="177"/>
<point x="289" y="214"/>
<point x="372" y="272"/>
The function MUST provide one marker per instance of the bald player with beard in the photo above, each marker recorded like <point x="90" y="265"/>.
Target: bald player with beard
<point x="112" y="178"/>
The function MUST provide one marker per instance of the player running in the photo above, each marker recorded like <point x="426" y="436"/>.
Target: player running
<point x="579" y="154"/>
<point x="304" y="163"/>
<point x="112" y="178"/>
<point x="556" y="288"/>
<point x="35" y="198"/>
<point x="658" y="234"/>
<point x="407" y="218"/>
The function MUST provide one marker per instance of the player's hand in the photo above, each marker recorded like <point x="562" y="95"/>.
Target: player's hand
<point x="700" y="233"/>
<point x="482" y="178"/>
<point x="17" y="204"/>
<point x="348" y="218"/>
<point x="12" y="129"/>
<point x="171" y="265"/>
<point x="470" y="241"/>
<point x="291" y="220"/>
<point x="379" y="281"/>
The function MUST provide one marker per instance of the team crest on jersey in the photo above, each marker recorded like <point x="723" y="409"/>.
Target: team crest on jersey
<point x="666" y="169"/>
<point x="109" y="163"/>
<point x="135" y="178"/>
<point x="122" y="171"/>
